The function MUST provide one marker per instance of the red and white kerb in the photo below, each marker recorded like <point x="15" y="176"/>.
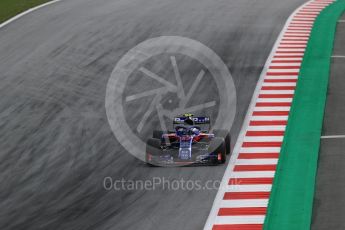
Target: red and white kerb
<point x="242" y="203"/>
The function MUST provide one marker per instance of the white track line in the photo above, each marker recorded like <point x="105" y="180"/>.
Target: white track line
<point x="333" y="137"/>
<point x="289" y="48"/>
<point x="27" y="12"/>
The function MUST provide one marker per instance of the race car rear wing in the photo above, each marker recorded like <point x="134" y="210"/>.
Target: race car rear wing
<point x="197" y="120"/>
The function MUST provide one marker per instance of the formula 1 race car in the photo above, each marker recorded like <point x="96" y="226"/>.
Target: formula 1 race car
<point x="188" y="143"/>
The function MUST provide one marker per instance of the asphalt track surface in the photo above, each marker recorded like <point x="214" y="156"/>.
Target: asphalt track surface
<point x="56" y="145"/>
<point x="329" y="201"/>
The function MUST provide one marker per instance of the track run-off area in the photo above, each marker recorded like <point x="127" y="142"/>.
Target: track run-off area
<point x="242" y="202"/>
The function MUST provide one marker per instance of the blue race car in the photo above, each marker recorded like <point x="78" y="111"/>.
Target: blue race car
<point x="188" y="143"/>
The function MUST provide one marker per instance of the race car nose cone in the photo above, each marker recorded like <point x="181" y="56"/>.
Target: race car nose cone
<point x="185" y="154"/>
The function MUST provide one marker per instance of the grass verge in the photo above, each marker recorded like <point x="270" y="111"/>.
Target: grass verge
<point x="10" y="8"/>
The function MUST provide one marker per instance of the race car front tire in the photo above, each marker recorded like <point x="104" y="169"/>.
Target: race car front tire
<point x="153" y="148"/>
<point x="217" y="146"/>
<point x="226" y="135"/>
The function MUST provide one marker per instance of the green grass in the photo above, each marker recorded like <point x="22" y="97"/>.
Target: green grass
<point x="10" y="8"/>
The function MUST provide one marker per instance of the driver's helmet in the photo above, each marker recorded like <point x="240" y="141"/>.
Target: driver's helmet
<point x="189" y="123"/>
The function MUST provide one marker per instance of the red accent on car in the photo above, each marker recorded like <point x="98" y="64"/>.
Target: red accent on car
<point x="219" y="156"/>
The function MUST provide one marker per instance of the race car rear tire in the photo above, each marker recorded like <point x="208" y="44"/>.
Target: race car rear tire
<point x="157" y="134"/>
<point x="153" y="147"/>
<point x="226" y="135"/>
<point x="217" y="145"/>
